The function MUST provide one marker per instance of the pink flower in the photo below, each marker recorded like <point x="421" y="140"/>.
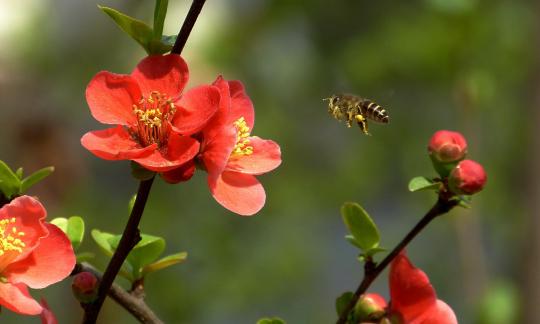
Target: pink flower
<point x="467" y="178"/>
<point x="152" y="115"/>
<point x="85" y="286"/>
<point x="33" y="254"/>
<point x="413" y="299"/>
<point x="232" y="156"/>
<point x="447" y="146"/>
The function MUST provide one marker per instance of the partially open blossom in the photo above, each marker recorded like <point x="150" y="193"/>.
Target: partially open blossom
<point x="47" y="316"/>
<point x="33" y="254"/>
<point x="231" y="155"/>
<point x="467" y="178"/>
<point x="413" y="299"/>
<point x="447" y="146"/>
<point x="85" y="286"/>
<point x="154" y="117"/>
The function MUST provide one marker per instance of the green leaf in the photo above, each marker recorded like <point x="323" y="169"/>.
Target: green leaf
<point x="361" y="226"/>
<point x="342" y="302"/>
<point x="138" y="30"/>
<point x="131" y="203"/>
<point x="19" y="173"/>
<point x="375" y="250"/>
<point x="274" y="320"/>
<point x="160" y="12"/>
<point x="164" y="263"/>
<point x="9" y="182"/>
<point x="422" y="183"/>
<point x="141" y="173"/>
<point x="35" y="178"/>
<point x="145" y="252"/>
<point x="73" y="227"/>
<point x="103" y="240"/>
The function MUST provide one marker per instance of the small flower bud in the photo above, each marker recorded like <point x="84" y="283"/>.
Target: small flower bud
<point x="370" y="307"/>
<point x="85" y="286"/>
<point x="467" y="178"/>
<point x="447" y="146"/>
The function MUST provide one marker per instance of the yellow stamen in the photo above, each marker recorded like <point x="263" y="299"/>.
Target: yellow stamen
<point x="242" y="138"/>
<point x="7" y="241"/>
<point x="152" y="114"/>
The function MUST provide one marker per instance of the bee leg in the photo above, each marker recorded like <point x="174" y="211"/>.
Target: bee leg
<point x="350" y="117"/>
<point x="362" y="122"/>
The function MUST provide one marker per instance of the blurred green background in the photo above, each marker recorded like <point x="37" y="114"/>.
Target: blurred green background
<point x="464" y="65"/>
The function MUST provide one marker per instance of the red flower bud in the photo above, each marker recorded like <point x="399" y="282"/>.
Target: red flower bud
<point x="85" y="286"/>
<point x="467" y="178"/>
<point x="447" y="146"/>
<point x="370" y="307"/>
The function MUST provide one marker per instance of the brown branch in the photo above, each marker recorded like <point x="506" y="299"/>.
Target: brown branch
<point x="187" y="26"/>
<point x="442" y="206"/>
<point x="133" y="304"/>
<point x="130" y="238"/>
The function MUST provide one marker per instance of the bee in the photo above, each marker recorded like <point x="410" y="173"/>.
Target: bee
<point x="351" y="108"/>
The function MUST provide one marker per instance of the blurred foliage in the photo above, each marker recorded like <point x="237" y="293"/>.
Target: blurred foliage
<point x="463" y="65"/>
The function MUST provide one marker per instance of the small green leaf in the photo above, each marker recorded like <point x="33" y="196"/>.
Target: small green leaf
<point x="464" y="201"/>
<point x="131" y="203"/>
<point x="164" y="263"/>
<point x="352" y="240"/>
<point x="9" y="182"/>
<point x="342" y="302"/>
<point x="138" y="30"/>
<point x="19" y="173"/>
<point x="141" y="173"/>
<point x="35" y="178"/>
<point x="103" y="240"/>
<point x="274" y="320"/>
<point x="422" y="183"/>
<point x="160" y="12"/>
<point x="360" y="225"/>
<point x="145" y="252"/>
<point x="375" y="250"/>
<point x="72" y="227"/>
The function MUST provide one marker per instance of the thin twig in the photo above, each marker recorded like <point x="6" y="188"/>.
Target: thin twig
<point x="187" y="26"/>
<point x="130" y="238"/>
<point x="442" y="206"/>
<point x="133" y="304"/>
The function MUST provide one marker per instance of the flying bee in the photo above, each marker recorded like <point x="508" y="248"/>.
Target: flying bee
<point x="351" y="108"/>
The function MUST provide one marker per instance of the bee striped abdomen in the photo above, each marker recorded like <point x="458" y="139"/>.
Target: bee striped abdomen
<point x="374" y="112"/>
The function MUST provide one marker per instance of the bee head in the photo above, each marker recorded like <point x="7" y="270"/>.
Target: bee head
<point x="334" y="100"/>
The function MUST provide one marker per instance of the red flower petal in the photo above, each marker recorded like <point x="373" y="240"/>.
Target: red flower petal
<point x="47" y="316"/>
<point x="266" y="157"/>
<point x="114" y="144"/>
<point x="217" y="150"/>
<point x="167" y="74"/>
<point x="220" y="118"/>
<point x="410" y="290"/>
<point x="111" y="97"/>
<point x="180" y="174"/>
<point x="439" y="313"/>
<point x="180" y="149"/>
<point x="241" y="105"/>
<point x="15" y="297"/>
<point x="51" y="261"/>
<point x="195" y="108"/>
<point x="240" y="193"/>
<point x="29" y="216"/>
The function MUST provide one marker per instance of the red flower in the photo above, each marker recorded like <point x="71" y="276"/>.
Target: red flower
<point x="447" y="146"/>
<point x="153" y="116"/>
<point x="467" y="178"/>
<point x="413" y="299"/>
<point x="33" y="254"/>
<point x="232" y="157"/>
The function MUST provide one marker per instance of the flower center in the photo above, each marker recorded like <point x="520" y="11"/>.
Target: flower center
<point x="242" y="140"/>
<point x="10" y="238"/>
<point x="153" y="116"/>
